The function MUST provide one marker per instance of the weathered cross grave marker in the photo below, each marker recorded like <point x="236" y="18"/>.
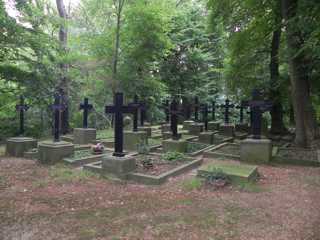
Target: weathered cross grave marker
<point x="256" y="149"/>
<point x="118" y="163"/>
<point x="51" y="152"/>
<point x="175" y="144"/>
<point x="227" y="129"/>
<point x="213" y="125"/>
<point x="166" y="127"/>
<point x="21" y="108"/>
<point x="85" y="135"/>
<point x="135" y="139"/>
<point x="206" y="136"/>
<point x="16" y="146"/>
<point x="241" y="126"/>
<point x="143" y="113"/>
<point x="196" y="128"/>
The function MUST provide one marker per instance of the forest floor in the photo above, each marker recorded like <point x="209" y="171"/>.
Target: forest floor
<point x="45" y="203"/>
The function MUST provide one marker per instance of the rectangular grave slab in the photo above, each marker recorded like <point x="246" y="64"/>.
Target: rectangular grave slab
<point x="256" y="150"/>
<point x="84" y="135"/>
<point x="186" y="124"/>
<point x="207" y="137"/>
<point x="230" y="151"/>
<point x="132" y="140"/>
<point x="236" y="172"/>
<point x="118" y="166"/>
<point x="146" y="129"/>
<point x="171" y="145"/>
<point x="16" y="146"/>
<point x="53" y="152"/>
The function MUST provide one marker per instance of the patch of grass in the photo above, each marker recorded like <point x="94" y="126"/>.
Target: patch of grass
<point x="106" y="133"/>
<point x="63" y="174"/>
<point x="313" y="180"/>
<point x="2" y="150"/>
<point x="194" y="147"/>
<point x="154" y="141"/>
<point x="174" y="156"/>
<point x="80" y="154"/>
<point x="192" y="184"/>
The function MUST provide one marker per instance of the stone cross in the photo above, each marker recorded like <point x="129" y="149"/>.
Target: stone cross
<point x="204" y="109"/>
<point x="196" y="106"/>
<point x="21" y="108"/>
<point x="243" y="105"/>
<point x="135" y="108"/>
<point x="143" y="109"/>
<point x="227" y="107"/>
<point x="213" y="110"/>
<point x="57" y="108"/>
<point x="118" y="110"/>
<point x="186" y="108"/>
<point x="166" y="106"/>
<point x="86" y="107"/>
<point x="174" y="114"/>
<point x="257" y="107"/>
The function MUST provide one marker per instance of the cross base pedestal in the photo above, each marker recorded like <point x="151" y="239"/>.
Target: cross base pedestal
<point x="132" y="140"/>
<point x="52" y="152"/>
<point x="118" y="166"/>
<point x="256" y="150"/>
<point x="84" y="135"/>
<point x="16" y="146"/>
<point x="171" y="145"/>
<point x="186" y="124"/>
<point x="227" y="130"/>
<point x="206" y="137"/>
<point x="213" y="126"/>
<point x="196" y="128"/>
<point x="146" y="129"/>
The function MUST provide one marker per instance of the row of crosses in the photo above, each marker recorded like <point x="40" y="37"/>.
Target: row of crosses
<point x="172" y="111"/>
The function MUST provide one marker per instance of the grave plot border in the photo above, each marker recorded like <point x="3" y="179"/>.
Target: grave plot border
<point x="210" y="154"/>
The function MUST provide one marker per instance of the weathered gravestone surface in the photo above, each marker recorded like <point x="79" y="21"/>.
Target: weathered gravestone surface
<point x="187" y="111"/>
<point x="213" y="125"/>
<point x="16" y="146"/>
<point x="227" y="128"/>
<point x="166" y="127"/>
<point x="256" y="149"/>
<point x="196" y="128"/>
<point x="143" y="125"/>
<point x="118" y="163"/>
<point x="85" y="135"/>
<point x="175" y="144"/>
<point x="206" y="136"/>
<point x="51" y="152"/>
<point x="241" y="126"/>
<point x="134" y="139"/>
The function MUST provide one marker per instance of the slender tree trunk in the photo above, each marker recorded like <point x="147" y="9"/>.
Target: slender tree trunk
<point x="306" y="127"/>
<point x="63" y="85"/>
<point x="277" y="124"/>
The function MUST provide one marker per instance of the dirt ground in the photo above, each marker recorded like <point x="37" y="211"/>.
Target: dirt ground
<point x="45" y="203"/>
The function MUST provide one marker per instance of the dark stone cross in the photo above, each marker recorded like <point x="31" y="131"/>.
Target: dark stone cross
<point x="135" y="110"/>
<point x="186" y="108"/>
<point x="166" y="107"/>
<point x="86" y="107"/>
<point x="21" y="108"/>
<point x="143" y="109"/>
<point x="196" y="106"/>
<point x="227" y="107"/>
<point x="243" y="105"/>
<point x="57" y="108"/>
<point x="257" y="107"/>
<point x="204" y="109"/>
<point x="213" y="110"/>
<point x="118" y="110"/>
<point x="174" y="115"/>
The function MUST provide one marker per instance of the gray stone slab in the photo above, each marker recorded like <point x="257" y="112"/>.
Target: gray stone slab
<point x="16" y="146"/>
<point x="256" y="150"/>
<point x="53" y="152"/>
<point x="84" y="135"/>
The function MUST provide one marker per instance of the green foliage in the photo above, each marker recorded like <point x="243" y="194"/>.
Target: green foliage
<point x="174" y="157"/>
<point x="192" y="184"/>
<point x="215" y="174"/>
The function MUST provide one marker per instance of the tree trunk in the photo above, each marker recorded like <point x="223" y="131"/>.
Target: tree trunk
<point x="306" y="127"/>
<point x="63" y="85"/>
<point x="277" y="124"/>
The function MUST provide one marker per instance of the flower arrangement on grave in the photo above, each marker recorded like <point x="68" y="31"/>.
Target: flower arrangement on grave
<point x="98" y="148"/>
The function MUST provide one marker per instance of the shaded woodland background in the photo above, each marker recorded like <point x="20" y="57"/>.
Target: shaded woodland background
<point x="159" y="48"/>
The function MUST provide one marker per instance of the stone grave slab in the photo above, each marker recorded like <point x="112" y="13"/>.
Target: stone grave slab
<point x="296" y="156"/>
<point x="196" y="128"/>
<point x="84" y="135"/>
<point x="235" y="171"/>
<point x="224" y="151"/>
<point x="82" y="157"/>
<point x="51" y="152"/>
<point x="256" y="150"/>
<point x="132" y="140"/>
